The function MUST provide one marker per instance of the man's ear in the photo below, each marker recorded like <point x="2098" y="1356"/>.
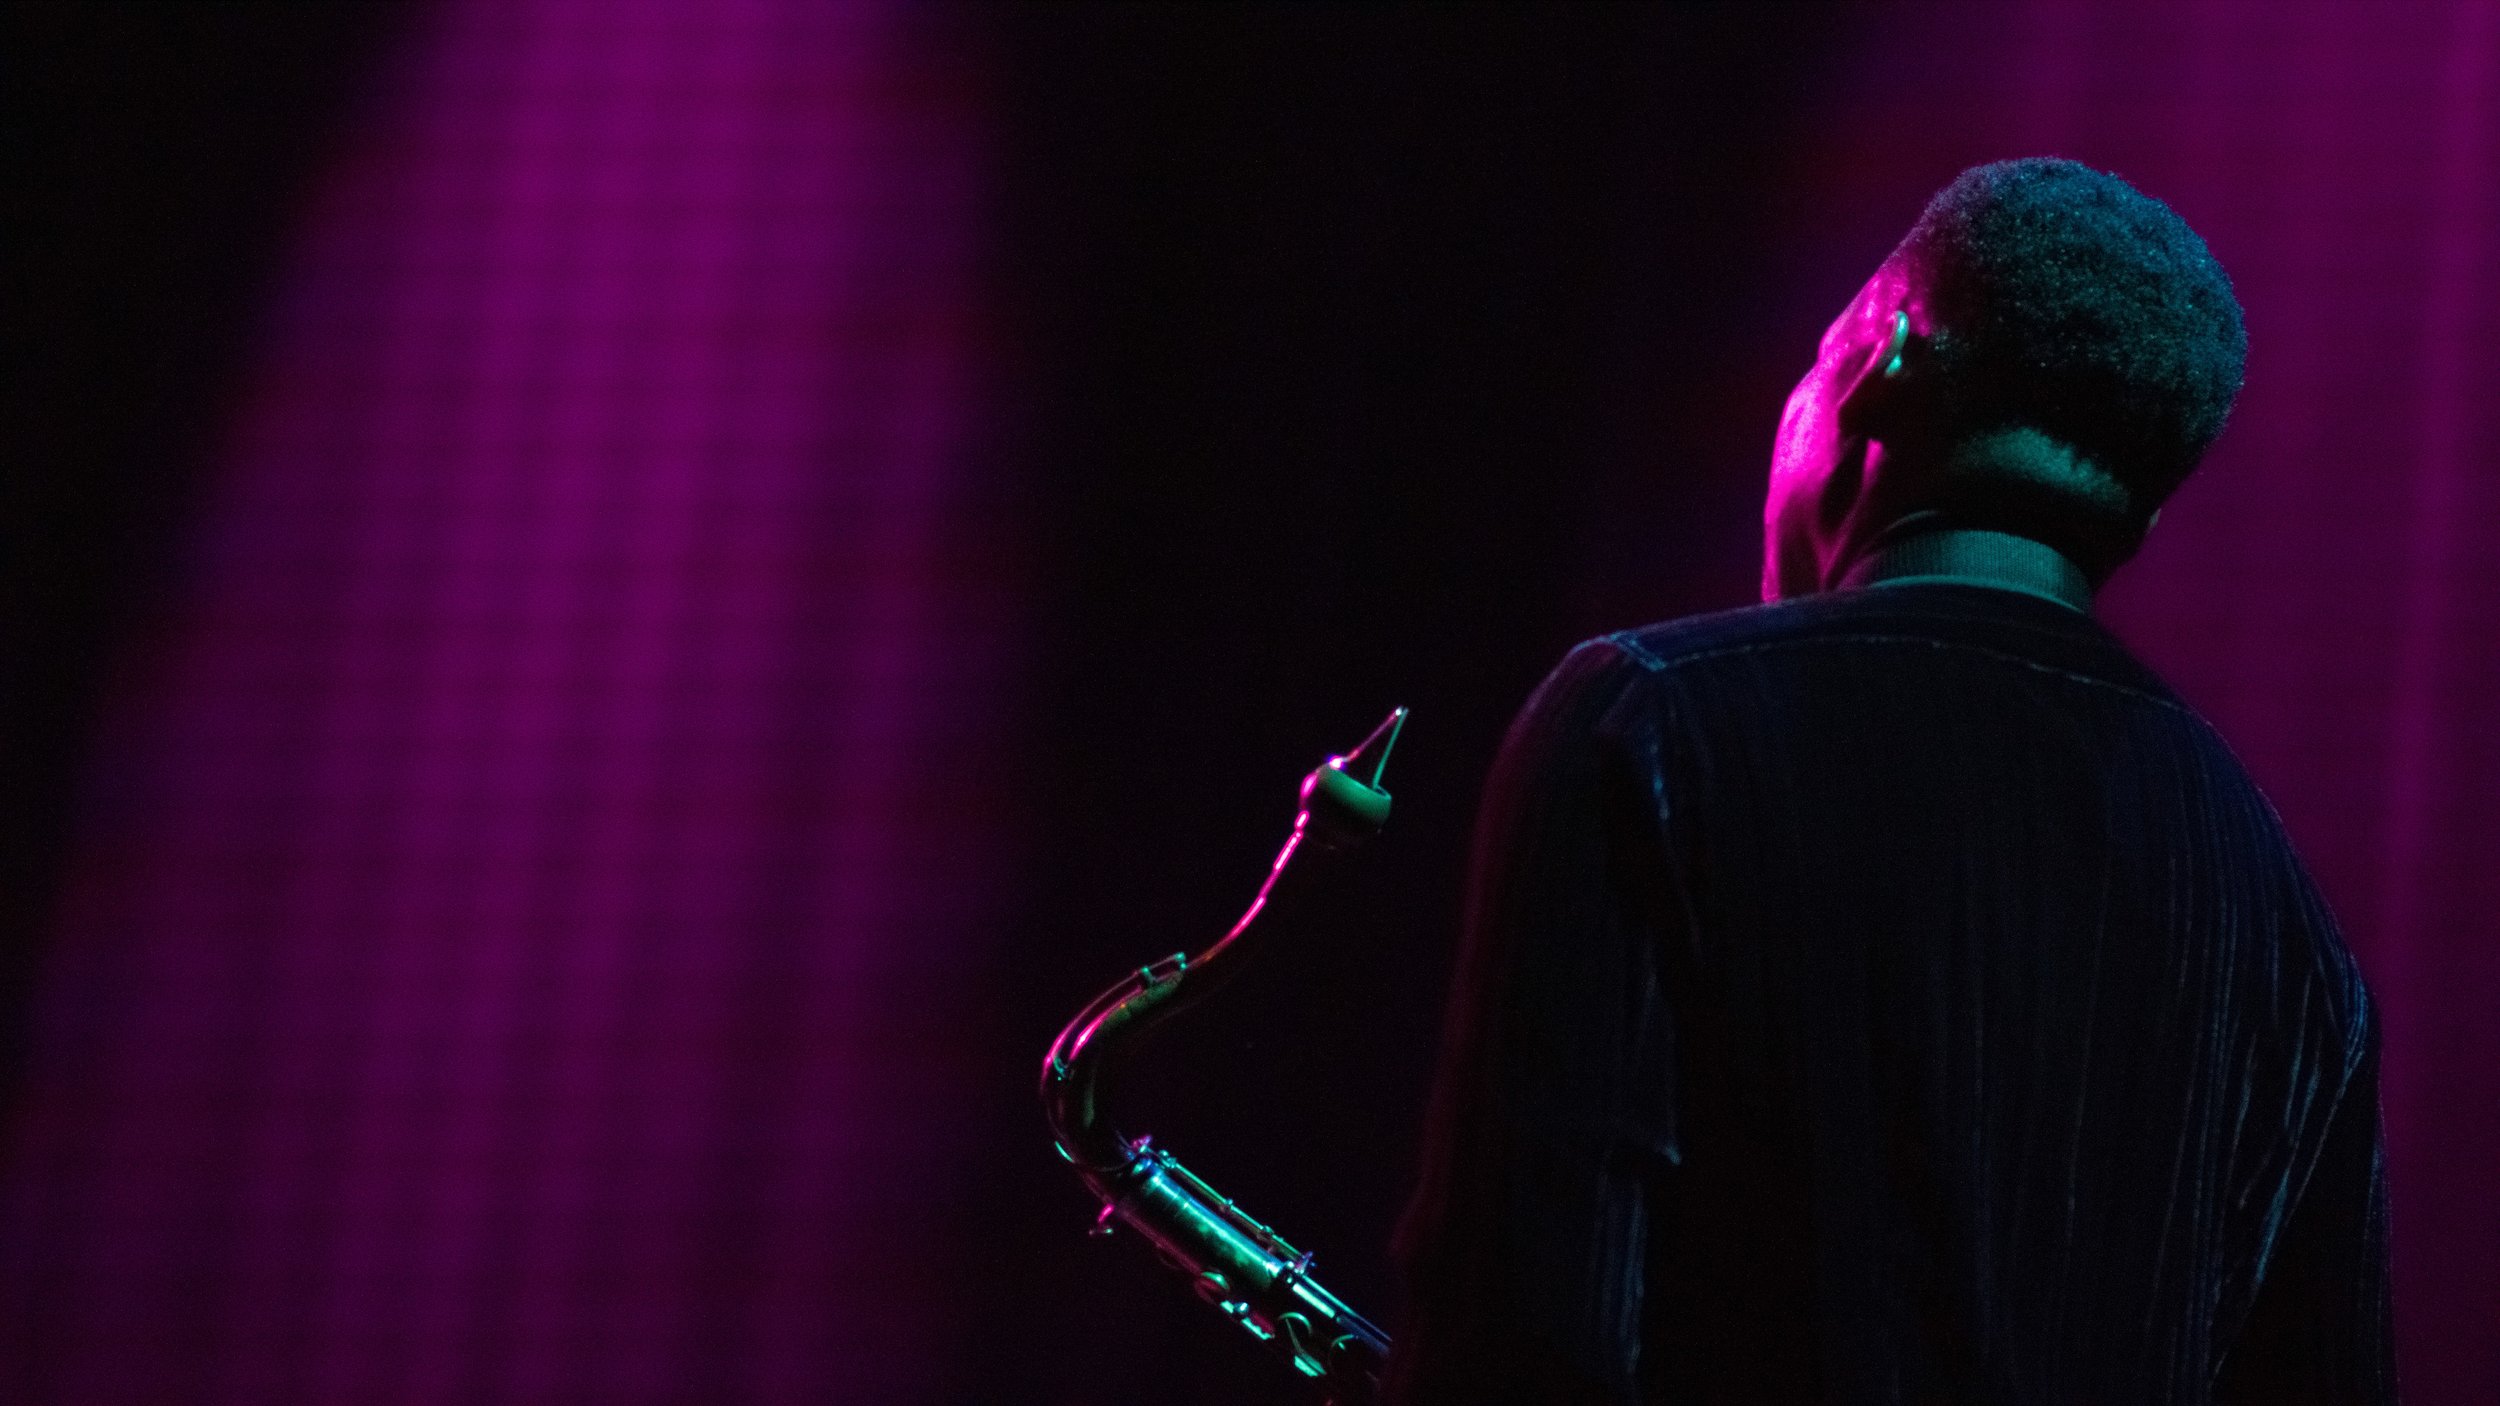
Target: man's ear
<point x="1888" y="361"/>
<point x="1875" y="381"/>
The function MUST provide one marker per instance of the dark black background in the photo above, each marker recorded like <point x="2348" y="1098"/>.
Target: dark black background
<point x="1356" y="357"/>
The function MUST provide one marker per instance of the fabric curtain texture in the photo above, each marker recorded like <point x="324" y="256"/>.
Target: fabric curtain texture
<point x="522" y="906"/>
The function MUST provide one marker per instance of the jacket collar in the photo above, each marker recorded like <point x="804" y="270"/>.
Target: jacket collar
<point x="1964" y="556"/>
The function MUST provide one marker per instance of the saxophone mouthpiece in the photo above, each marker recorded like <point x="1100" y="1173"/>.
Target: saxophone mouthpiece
<point x="1372" y="753"/>
<point x="1343" y="803"/>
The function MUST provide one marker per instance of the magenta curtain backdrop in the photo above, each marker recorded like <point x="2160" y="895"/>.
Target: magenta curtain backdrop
<point x="517" y="923"/>
<point x="529" y="895"/>
<point x="2328" y="587"/>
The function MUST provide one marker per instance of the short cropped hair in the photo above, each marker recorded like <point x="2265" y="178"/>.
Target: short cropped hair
<point x="2068" y="304"/>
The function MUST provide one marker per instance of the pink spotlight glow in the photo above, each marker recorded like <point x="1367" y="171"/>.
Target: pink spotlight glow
<point x="530" y="894"/>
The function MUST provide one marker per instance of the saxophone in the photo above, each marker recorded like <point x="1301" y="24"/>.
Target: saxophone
<point x="1242" y="1269"/>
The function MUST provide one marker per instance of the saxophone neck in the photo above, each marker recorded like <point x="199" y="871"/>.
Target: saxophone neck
<point x="1342" y="805"/>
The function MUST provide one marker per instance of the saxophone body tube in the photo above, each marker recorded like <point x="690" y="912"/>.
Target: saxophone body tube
<point x="1245" y="1271"/>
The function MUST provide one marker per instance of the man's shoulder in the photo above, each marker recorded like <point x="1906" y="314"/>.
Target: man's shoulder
<point x="1665" y="644"/>
<point x="1910" y="620"/>
<point x="1892" y="614"/>
<point x="1598" y="673"/>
